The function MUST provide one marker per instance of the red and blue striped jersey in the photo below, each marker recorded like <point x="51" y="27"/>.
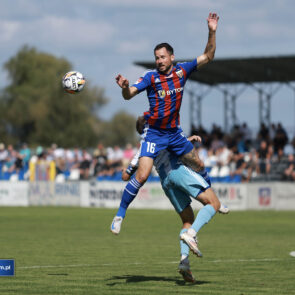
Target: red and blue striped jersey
<point x="165" y="94"/>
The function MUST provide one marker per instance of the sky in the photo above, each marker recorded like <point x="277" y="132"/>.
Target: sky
<point x="102" y="38"/>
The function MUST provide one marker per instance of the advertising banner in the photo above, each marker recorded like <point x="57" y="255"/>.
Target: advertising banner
<point x="285" y="196"/>
<point x="261" y="196"/>
<point x="49" y="193"/>
<point x="106" y="194"/>
<point x="232" y="195"/>
<point x="13" y="193"/>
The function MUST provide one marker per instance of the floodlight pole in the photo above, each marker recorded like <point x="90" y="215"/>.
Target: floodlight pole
<point x="195" y="98"/>
<point x="229" y="106"/>
<point x="264" y="98"/>
<point x="293" y="88"/>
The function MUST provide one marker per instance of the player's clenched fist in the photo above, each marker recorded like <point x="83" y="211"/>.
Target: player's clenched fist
<point x="122" y="81"/>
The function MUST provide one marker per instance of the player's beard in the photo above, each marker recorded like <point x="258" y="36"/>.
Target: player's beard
<point x="166" y="70"/>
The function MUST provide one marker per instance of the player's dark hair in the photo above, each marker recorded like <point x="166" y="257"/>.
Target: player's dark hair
<point x="140" y="122"/>
<point x="168" y="47"/>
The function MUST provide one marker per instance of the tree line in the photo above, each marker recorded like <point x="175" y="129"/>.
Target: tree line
<point x="35" y="109"/>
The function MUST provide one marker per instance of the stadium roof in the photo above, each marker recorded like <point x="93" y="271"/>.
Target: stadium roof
<point x="243" y="70"/>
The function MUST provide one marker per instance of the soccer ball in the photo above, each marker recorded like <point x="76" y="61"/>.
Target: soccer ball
<point x="73" y="82"/>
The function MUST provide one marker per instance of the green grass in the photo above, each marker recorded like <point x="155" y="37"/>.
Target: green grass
<point x="74" y="252"/>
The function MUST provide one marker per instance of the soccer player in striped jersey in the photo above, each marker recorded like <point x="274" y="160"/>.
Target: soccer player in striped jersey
<point x="179" y="183"/>
<point x="164" y="88"/>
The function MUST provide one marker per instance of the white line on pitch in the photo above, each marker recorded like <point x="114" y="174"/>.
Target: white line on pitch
<point x="139" y="263"/>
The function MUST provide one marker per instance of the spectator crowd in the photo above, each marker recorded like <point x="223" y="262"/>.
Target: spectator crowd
<point x="237" y="156"/>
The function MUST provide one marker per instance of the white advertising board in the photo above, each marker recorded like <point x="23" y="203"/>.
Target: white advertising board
<point x="232" y="195"/>
<point x="13" y="193"/>
<point x="261" y="196"/>
<point x="285" y="196"/>
<point x="49" y="193"/>
<point x="109" y="194"/>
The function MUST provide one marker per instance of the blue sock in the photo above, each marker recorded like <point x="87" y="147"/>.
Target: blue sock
<point x="130" y="192"/>
<point x="184" y="248"/>
<point x="203" y="217"/>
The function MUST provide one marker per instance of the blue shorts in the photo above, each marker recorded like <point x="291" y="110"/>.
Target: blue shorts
<point x="180" y="184"/>
<point x="155" y="140"/>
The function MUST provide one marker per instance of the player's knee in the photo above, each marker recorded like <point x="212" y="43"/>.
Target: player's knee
<point x="210" y="198"/>
<point x="141" y="177"/>
<point x="214" y="201"/>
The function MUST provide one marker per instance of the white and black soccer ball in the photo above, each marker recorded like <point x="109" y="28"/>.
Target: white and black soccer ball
<point x="73" y="82"/>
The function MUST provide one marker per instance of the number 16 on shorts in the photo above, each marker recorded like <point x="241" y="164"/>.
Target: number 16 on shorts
<point x="148" y="149"/>
<point x="151" y="147"/>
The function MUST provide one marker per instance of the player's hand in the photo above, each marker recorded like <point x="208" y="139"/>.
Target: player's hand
<point x="212" y="21"/>
<point x="125" y="175"/>
<point x="122" y="81"/>
<point x="195" y="138"/>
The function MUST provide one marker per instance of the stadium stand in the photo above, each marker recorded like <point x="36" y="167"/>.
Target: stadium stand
<point x="229" y="158"/>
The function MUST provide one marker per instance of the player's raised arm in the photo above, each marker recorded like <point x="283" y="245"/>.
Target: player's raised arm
<point x="209" y="52"/>
<point x="127" y="92"/>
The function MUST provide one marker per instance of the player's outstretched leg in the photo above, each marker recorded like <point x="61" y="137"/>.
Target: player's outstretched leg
<point x="128" y="196"/>
<point x="212" y="205"/>
<point x="191" y="240"/>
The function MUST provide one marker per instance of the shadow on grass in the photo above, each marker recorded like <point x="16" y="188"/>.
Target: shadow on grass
<point x="140" y="278"/>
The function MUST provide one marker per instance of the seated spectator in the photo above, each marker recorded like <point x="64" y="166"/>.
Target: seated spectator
<point x="238" y="164"/>
<point x="100" y="161"/>
<point x="85" y="165"/>
<point x="25" y="154"/>
<point x="246" y="135"/>
<point x="115" y="157"/>
<point x="3" y="153"/>
<point x="264" y="154"/>
<point x="60" y="165"/>
<point x="280" y="139"/>
<point x="289" y="173"/>
<point x="128" y="154"/>
<point x="223" y="155"/>
<point x="263" y="133"/>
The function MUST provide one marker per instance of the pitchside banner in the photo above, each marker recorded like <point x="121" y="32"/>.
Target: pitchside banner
<point x="232" y="195"/>
<point x="151" y="195"/>
<point x="106" y="194"/>
<point x="261" y="196"/>
<point x="14" y="193"/>
<point x="285" y="195"/>
<point x="49" y="193"/>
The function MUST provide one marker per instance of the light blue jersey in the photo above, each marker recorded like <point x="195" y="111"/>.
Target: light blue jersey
<point x="178" y="181"/>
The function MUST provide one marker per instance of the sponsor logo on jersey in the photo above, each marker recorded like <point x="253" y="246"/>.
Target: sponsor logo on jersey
<point x="138" y="81"/>
<point x="161" y="93"/>
<point x="174" y="91"/>
<point x="179" y="73"/>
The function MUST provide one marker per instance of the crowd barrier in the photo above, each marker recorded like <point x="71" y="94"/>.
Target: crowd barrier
<point x="105" y="194"/>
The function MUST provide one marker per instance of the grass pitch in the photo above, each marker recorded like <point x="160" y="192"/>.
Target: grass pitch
<point x="71" y="251"/>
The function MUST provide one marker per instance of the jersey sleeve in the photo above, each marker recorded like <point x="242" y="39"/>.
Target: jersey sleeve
<point x="143" y="82"/>
<point x="189" y="66"/>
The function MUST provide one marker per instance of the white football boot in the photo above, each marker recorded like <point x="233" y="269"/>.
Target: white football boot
<point x="223" y="209"/>
<point x="116" y="225"/>
<point x="192" y="242"/>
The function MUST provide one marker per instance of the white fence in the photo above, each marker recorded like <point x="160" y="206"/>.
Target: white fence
<point x="256" y="196"/>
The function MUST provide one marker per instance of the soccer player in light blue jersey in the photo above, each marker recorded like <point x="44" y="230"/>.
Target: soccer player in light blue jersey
<point x="179" y="183"/>
<point x="165" y="87"/>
